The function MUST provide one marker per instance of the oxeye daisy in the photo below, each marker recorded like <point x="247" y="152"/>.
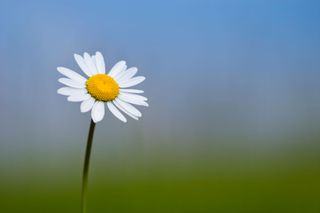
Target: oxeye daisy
<point x="99" y="88"/>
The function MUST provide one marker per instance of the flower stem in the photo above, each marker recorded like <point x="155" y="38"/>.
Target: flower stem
<point x="86" y="168"/>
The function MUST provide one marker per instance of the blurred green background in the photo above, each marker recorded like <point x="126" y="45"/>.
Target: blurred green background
<point x="233" y="123"/>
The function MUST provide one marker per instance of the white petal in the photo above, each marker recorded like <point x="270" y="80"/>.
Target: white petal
<point x="138" y="97"/>
<point x="116" y="112"/>
<point x="93" y="58"/>
<point x="71" y="74"/>
<point x="132" y="82"/>
<point x="128" y="107"/>
<point x="132" y="90"/>
<point x="79" y="98"/>
<point x="90" y="64"/>
<point x="132" y="100"/>
<point x="97" y="112"/>
<point x="82" y="64"/>
<point x="117" y="68"/>
<point x="87" y="105"/>
<point x="71" y="91"/>
<point x="71" y="83"/>
<point x="115" y="102"/>
<point x="126" y="75"/>
<point x="100" y="63"/>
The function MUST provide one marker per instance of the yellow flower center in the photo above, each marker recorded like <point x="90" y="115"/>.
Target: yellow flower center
<point x="102" y="87"/>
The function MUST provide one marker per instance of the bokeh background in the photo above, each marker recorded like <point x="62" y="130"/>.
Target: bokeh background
<point x="234" y="117"/>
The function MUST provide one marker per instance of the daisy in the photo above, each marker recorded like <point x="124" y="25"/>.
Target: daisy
<point x="95" y="91"/>
<point x="99" y="88"/>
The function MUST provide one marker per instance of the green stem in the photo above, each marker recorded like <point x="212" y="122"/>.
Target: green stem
<point x="86" y="168"/>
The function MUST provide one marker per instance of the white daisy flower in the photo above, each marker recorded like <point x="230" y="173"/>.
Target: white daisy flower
<point x="99" y="89"/>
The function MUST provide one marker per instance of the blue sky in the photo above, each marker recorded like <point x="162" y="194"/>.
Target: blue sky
<point x="212" y="67"/>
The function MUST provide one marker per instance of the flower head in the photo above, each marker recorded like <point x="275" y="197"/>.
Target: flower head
<point x="99" y="88"/>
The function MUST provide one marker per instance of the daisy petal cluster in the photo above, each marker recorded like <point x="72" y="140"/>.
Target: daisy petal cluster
<point x="99" y="88"/>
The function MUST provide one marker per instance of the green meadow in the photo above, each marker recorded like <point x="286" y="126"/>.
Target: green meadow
<point x="203" y="181"/>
